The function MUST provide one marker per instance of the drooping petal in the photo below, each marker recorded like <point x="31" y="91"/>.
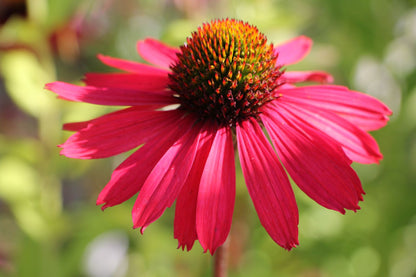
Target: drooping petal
<point x="216" y="194"/>
<point x="358" y="145"/>
<point x="166" y="180"/>
<point x="293" y="51"/>
<point x="268" y="185"/>
<point x="141" y="82"/>
<point x="362" y="110"/>
<point x="128" y="178"/>
<point x="131" y="66"/>
<point x="110" y="96"/>
<point x="316" y="163"/>
<point x="185" y="208"/>
<point x="157" y="53"/>
<point x="307" y="76"/>
<point x="117" y="132"/>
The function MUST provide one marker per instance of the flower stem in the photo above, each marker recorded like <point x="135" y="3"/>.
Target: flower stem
<point x="221" y="260"/>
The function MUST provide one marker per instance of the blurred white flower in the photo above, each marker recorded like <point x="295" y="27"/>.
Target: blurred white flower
<point x="106" y="255"/>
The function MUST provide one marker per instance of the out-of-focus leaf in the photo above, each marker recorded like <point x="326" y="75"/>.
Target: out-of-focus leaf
<point x="410" y="111"/>
<point x="35" y="259"/>
<point x="24" y="79"/>
<point x="19" y="187"/>
<point x="20" y="31"/>
<point x="17" y="180"/>
<point x="25" y="150"/>
<point x="60" y="11"/>
<point x="31" y="220"/>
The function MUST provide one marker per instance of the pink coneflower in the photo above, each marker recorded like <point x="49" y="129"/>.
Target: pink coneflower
<point x="227" y="82"/>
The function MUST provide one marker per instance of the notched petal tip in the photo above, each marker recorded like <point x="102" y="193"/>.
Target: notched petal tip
<point x="100" y="201"/>
<point x="62" y="151"/>
<point x="142" y="228"/>
<point x="211" y="251"/>
<point x="353" y="207"/>
<point x="184" y="245"/>
<point x="292" y="245"/>
<point x="47" y="86"/>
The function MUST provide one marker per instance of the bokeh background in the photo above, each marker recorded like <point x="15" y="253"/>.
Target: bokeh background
<point x="49" y="224"/>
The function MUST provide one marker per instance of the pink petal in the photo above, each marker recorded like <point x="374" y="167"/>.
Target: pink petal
<point x="268" y="185"/>
<point x="293" y="50"/>
<point x="128" y="178"/>
<point x="358" y="145"/>
<point x="117" y="132"/>
<point x="166" y="180"/>
<point x="216" y="194"/>
<point x="316" y="163"/>
<point x="307" y="76"/>
<point x="140" y="82"/>
<point x="362" y="110"/>
<point x="109" y="96"/>
<point x="77" y="126"/>
<point x="185" y="209"/>
<point x="157" y="53"/>
<point x="131" y="66"/>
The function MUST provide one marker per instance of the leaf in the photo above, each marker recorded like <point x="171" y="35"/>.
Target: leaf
<point x="17" y="180"/>
<point x="24" y="79"/>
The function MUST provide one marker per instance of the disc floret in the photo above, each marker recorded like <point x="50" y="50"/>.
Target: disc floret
<point x="226" y="71"/>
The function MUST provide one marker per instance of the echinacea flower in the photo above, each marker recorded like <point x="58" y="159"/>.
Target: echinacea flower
<point x="226" y="82"/>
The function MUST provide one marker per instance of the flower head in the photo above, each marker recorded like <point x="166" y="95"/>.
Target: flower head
<point x="226" y="72"/>
<point x="226" y="82"/>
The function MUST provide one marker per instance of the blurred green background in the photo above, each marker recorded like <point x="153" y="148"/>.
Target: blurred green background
<point x="49" y="224"/>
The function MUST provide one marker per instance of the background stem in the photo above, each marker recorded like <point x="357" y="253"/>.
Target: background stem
<point x="221" y="260"/>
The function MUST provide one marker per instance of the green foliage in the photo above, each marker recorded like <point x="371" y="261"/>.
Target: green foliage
<point x="48" y="219"/>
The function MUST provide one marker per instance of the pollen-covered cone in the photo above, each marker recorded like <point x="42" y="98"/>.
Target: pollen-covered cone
<point x="227" y="81"/>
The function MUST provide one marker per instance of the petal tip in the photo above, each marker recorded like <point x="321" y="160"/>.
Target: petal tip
<point x="102" y="202"/>
<point x="290" y="246"/>
<point x="47" y="86"/>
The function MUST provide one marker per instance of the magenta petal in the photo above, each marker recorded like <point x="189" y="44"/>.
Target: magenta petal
<point x="357" y="144"/>
<point x="109" y="96"/>
<point x="307" y="76"/>
<point x="128" y="178"/>
<point x="216" y="194"/>
<point x="293" y="50"/>
<point x="362" y="110"/>
<point x="157" y="53"/>
<point x="316" y="163"/>
<point x="117" y="132"/>
<point x="185" y="208"/>
<point x="268" y="185"/>
<point x="141" y="82"/>
<point x="75" y="126"/>
<point x="166" y="180"/>
<point x="132" y="67"/>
